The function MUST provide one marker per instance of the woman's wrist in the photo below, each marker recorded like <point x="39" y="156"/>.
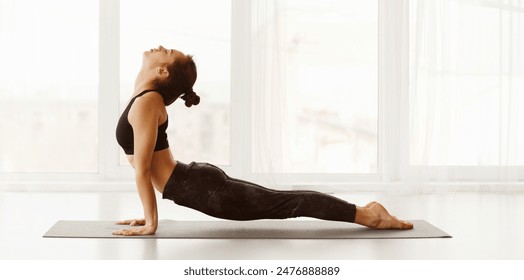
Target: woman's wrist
<point x="153" y="225"/>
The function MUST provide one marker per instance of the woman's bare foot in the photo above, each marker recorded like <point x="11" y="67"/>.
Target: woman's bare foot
<point x="374" y="215"/>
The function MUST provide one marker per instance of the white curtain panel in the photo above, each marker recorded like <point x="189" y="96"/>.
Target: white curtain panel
<point x="270" y="148"/>
<point x="465" y="97"/>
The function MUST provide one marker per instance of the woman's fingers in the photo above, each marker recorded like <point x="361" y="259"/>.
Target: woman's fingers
<point x="124" y="222"/>
<point x="133" y="222"/>
<point x="123" y="232"/>
<point x="135" y="231"/>
<point x="138" y="222"/>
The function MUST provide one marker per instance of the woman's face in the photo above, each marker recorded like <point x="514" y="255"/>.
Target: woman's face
<point x="160" y="57"/>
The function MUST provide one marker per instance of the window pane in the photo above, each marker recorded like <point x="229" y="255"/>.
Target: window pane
<point x="48" y="86"/>
<point x="467" y="83"/>
<point x="200" y="28"/>
<point x="331" y="85"/>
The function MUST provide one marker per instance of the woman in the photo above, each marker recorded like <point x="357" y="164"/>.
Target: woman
<point x="166" y="75"/>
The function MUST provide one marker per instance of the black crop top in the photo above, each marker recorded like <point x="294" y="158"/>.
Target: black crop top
<point x="124" y="131"/>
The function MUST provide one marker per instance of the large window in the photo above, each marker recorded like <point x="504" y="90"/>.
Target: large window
<point x="48" y="86"/>
<point x="332" y="85"/>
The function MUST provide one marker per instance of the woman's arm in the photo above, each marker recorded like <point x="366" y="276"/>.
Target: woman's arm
<point x="143" y="117"/>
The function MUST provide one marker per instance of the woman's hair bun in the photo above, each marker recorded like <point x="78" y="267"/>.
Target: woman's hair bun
<point x="191" y="98"/>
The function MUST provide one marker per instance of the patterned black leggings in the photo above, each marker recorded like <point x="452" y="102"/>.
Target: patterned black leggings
<point x="207" y="188"/>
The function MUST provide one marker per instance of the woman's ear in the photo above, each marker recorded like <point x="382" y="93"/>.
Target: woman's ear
<point x="162" y="72"/>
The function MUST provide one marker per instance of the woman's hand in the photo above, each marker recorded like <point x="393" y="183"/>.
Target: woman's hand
<point x="140" y="230"/>
<point x="134" y="222"/>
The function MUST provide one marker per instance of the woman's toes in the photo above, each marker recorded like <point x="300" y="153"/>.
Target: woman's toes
<point x="403" y="224"/>
<point x="407" y="225"/>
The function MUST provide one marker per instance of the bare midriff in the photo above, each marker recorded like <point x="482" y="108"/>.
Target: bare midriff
<point x="162" y="166"/>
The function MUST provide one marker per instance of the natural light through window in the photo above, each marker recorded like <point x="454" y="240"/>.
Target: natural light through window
<point x="465" y="98"/>
<point x="331" y="79"/>
<point x="324" y="76"/>
<point x="48" y="86"/>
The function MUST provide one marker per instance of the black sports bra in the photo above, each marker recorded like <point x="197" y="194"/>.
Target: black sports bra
<point x="124" y="131"/>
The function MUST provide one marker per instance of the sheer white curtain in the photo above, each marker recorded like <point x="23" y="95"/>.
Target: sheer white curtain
<point x="268" y="92"/>
<point x="465" y="97"/>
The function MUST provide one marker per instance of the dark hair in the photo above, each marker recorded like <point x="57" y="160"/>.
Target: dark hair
<point x="182" y="77"/>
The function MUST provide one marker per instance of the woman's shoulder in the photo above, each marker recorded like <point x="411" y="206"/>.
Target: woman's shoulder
<point x="150" y="104"/>
<point x="151" y="98"/>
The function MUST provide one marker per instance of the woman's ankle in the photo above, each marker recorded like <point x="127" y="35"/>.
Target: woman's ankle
<point x="366" y="217"/>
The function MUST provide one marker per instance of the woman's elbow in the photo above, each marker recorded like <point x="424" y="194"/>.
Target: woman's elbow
<point x="142" y="173"/>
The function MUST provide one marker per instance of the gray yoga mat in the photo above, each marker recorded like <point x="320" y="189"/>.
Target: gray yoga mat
<point x="261" y="229"/>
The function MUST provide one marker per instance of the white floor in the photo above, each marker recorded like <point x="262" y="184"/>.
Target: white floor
<point x="483" y="225"/>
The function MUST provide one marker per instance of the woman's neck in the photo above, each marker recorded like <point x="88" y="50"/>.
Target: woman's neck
<point x="142" y="83"/>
